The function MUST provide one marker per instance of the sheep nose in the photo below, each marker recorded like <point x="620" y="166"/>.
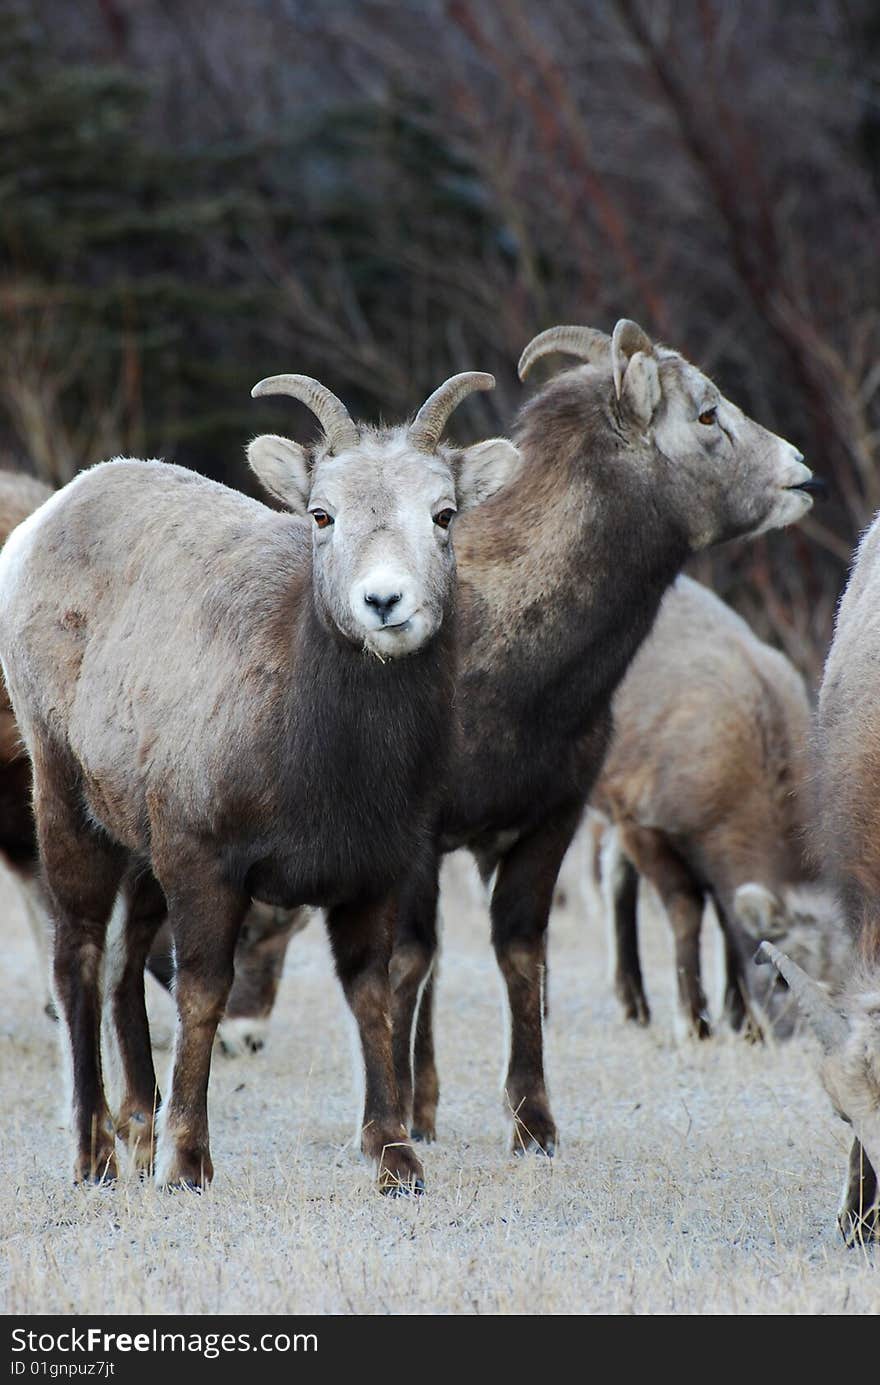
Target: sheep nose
<point x="382" y="605"/>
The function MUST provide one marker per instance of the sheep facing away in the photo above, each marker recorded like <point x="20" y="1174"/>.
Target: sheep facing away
<point x="630" y="464"/>
<point x="706" y="784"/>
<point x="847" y="753"/>
<point x="286" y="746"/>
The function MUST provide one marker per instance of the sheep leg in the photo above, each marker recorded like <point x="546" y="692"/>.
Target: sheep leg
<point x="259" y="962"/>
<point x="205" y="914"/>
<point x="83" y="869"/>
<point x="360" y="935"/>
<point x="620" y="888"/>
<point x="521" y="901"/>
<point x="682" y="896"/>
<point x="738" y="1009"/>
<point x="412" y="960"/>
<point x="140" y="911"/>
<point x="859" y="1213"/>
<point x="426" y="1084"/>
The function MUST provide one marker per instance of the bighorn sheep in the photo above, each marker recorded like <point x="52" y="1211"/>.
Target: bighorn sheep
<point x="630" y="464"/>
<point x="282" y="747"/>
<point x="706" y="784"/>
<point x="265" y="932"/>
<point x="847" y="744"/>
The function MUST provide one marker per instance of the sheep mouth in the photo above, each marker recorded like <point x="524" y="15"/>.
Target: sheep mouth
<point x="814" y="485"/>
<point x="392" y="641"/>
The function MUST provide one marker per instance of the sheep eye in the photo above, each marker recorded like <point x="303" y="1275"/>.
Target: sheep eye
<point x="321" y="518"/>
<point x="708" y="416"/>
<point x="444" y="518"/>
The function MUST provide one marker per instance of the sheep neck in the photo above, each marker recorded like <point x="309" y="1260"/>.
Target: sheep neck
<point x="562" y="575"/>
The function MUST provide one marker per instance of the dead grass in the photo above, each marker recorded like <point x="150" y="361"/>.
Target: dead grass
<point x="690" y="1178"/>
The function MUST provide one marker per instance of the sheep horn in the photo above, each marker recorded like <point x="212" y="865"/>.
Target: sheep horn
<point x="584" y="342"/>
<point x="626" y="339"/>
<point x="827" y="1022"/>
<point x="339" y="427"/>
<point x="431" y="418"/>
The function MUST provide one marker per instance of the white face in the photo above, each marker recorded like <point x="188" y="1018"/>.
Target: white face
<point x="802" y="919"/>
<point x="750" y="477"/>
<point x="804" y="922"/>
<point x="383" y="560"/>
<point x="381" y="514"/>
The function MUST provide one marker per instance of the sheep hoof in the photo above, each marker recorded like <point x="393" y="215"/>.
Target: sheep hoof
<point x="859" y="1214"/>
<point x="534" y="1132"/>
<point x="239" y="1036"/>
<point x="187" y="1170"/>
<point x="637" y="1014"/>
<point x="184" y="1185"/>
<point x="520" y="1149"/>
<point x="102" y="1172"/>
<point x="860" y="1229"/>
<point x="636" y="1009"/>
<point x="414" y="1188"/>
<point x="400" y="1172"/>
<point x="751" y="1031"/>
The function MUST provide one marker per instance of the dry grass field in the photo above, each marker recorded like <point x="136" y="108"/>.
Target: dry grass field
<point x="690" y="1178"/>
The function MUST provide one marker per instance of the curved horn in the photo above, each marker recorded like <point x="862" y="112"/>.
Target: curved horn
<point x="584" y="342"/>
<point x="827" y="1022"/>
<point x="626" y="339"/>
<point x="339" y="427"/>
<point x="430" y="420"/>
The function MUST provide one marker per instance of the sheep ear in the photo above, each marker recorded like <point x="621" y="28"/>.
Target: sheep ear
<point x="283" y="468"/>
<point x="636" y="377"/>
<point x="760" y="911"/>
<point x="626" y="339"/>
<point x="483" y="469"/>
<point x="640" y="390"/>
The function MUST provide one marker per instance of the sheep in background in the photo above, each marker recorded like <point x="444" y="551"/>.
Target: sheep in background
<point x="706" y="783"/>
<point x="287" y="745"/>
<point x="847" y="747"/>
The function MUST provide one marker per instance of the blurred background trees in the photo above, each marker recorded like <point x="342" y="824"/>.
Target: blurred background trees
<point x="197" y="193"/>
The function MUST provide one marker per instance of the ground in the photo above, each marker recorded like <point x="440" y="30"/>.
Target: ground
<point x="690" y="1178"/>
